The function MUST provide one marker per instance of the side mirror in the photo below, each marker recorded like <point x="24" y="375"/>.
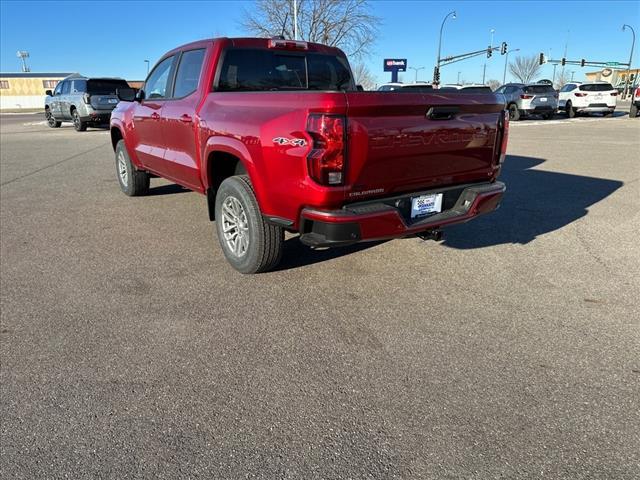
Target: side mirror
<point x="139" y="95"/>
<point x="49" y="92"/>
<point x="360" y="88"/>
<point x="126" y="94"/>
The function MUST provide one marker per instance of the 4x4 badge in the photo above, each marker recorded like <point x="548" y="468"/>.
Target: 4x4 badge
<point x="296" y="142"/>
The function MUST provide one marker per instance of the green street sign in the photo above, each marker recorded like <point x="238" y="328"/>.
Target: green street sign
<point x="612" y="64"/>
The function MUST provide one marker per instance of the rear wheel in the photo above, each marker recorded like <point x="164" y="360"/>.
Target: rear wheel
<point x="249" y="244"/>
<point x="514" y="113"/>
<point x="51" y="121"/>
<point x="132" y="182"/>
<point x="547" y="116"/>
<point x="633" y="111"/>
<point x="78" y="124"/>
<point x="569" y="110"/>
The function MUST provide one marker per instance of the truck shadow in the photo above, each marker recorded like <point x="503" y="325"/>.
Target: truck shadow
<point x="536" y="202"/>
<point x="298" y="255"/>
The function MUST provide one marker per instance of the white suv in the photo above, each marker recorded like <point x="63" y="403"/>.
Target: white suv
<point x="576" y="97"/>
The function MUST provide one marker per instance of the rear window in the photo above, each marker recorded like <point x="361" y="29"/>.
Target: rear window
<point x="538" y="89"/>
<point x="263" y="70"/>
<point x="596" y="87"/>
<point x="105" y="87"/>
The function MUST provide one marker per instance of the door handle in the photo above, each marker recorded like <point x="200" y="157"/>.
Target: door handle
<point x="155" y="116"/>
<point x="442" y="113"/>
<point x="184" y="118"/>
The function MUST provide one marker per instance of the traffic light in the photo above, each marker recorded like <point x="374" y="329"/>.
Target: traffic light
<point x="503" y="48"/>
<point x="436" y="75"/>
<point x="489" y="51"/>
<point x="582" y="62"/>
<point x="563" y="62"/>
<point x="542" y="59"/>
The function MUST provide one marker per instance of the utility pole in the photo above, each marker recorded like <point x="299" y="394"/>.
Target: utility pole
<point x="295" y="19"/>
<point x="506" y="61"/>
<point x="147" y="62"/>
<point x="416" y="70"/>
<point x="572" y="72"/>
<point x="458" y="78"/>
<point x="633" y="43"/>
<point x="484" y="69"/>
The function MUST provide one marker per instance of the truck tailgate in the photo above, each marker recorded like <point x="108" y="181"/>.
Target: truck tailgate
<point x="401" y="142"/>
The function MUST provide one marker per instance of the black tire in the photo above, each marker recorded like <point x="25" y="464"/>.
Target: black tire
<point x="633" y="111"/>
<point x="547" y="116"/>
<point x="133" y="183"/>
<point x="262" y="242"/>
<point x="514" y="113"/>
<point x="78" y="124"/>
<point x="569" y="110"/>
<point x="51" y="120"/>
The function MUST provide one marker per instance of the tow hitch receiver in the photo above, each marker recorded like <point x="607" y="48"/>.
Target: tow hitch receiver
<point x="436" y="235"/>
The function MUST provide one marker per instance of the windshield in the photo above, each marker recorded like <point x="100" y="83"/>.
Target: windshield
<point x="264" y="70"/>
<point x="105" y="87"/>
<point x="596" y="87"/>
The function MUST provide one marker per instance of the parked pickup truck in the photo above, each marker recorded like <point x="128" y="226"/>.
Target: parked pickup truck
<point x="277" y="136"/>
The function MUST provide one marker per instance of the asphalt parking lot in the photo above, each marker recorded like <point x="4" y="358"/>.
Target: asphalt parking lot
<point x="131" y="349"/>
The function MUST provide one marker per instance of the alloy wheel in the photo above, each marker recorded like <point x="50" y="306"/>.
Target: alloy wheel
<point x="235" y="226"/>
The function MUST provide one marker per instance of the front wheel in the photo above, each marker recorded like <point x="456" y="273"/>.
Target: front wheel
<point x="249" y="244"/>
<point x="51" y="120"/>
<point x="78" y="124"/>
<point x="132" y="182"/>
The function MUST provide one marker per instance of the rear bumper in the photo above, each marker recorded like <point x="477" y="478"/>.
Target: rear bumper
<point x="380" y="220"/>
<point x="98" y="116"/>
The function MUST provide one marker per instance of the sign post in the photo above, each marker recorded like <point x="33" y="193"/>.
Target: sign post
<point x="395" y="65"/>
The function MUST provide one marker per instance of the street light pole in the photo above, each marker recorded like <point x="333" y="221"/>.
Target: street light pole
<point x="572" y="72"/>
<point x="484" y="69"/>
<point x="458" y="78"/>
<point x="437" y="81"/>
<point x="416" y="70"/>
<point x="147" y="62"/>
<point x="506" y="61"/>
<point x="633" y="43"/>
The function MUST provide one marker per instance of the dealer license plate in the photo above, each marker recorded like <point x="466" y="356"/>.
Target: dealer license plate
<point x="543" y="99"/>
<point x="425" y="204"/>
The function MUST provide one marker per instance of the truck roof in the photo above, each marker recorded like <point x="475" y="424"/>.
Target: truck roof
<point x="256" y="42"/>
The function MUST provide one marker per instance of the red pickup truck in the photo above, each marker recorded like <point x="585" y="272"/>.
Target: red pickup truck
<point x="278" y="137"/>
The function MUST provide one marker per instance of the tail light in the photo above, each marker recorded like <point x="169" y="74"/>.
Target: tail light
<point x="613" y="94"/>
<point x="526" y="97"/>
<point x="288" y="44"/>
<point x="503" y="138"/>
<point x="637" y="92"/>
<point x="578" y="94"/>
<point x="87" y="98"/>
<point x="326" y="161"/>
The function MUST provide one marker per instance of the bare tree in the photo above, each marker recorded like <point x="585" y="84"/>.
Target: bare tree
<point x="525" y="69"/>
<point x="494" y="84"/>
<point x="363" y="77"/>
<point x="347" y="24"/>
<point x="562" y="80"/>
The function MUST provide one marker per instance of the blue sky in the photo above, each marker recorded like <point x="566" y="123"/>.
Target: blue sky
<point x="114" y="38"/>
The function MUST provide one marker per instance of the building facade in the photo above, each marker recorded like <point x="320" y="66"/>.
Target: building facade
<point x="26" y="90"/>
<point x="614" y="76"/>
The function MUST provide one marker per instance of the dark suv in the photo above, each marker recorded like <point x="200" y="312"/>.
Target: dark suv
<point x="83" y="101"/>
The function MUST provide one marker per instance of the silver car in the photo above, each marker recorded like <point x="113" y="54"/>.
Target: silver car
<point x="83" y="101"/>
<point x="529" y="99"/>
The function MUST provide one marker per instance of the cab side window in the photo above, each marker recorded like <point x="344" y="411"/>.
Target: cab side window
<point x="66" y="87"/>
<point x="79" y="86"/>
<point x="156" y="85"/>
<point x="188" y="73"/>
